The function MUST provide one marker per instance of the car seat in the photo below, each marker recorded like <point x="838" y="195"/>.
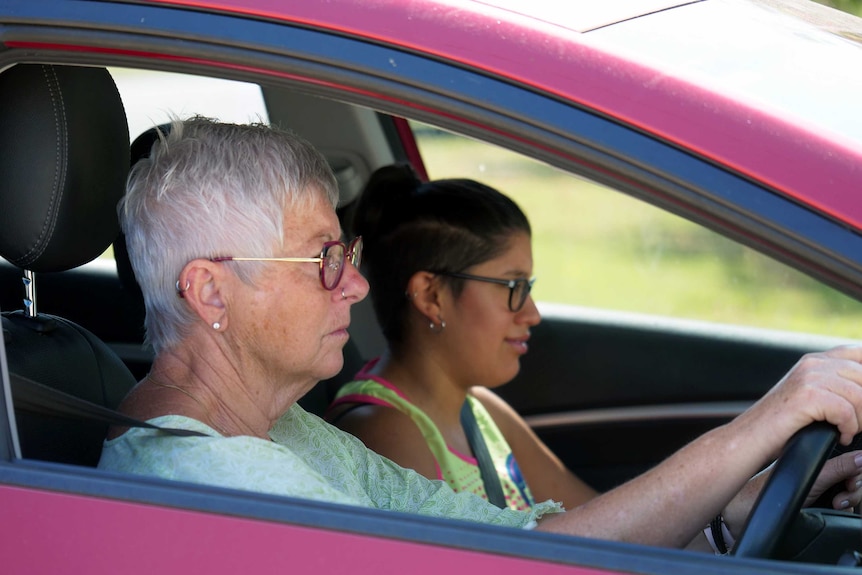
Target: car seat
<point x="63" y="165"/>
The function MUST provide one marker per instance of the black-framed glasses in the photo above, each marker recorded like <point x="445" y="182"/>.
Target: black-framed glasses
<point x="330" y="260"/>
<point x="519" y="289"/>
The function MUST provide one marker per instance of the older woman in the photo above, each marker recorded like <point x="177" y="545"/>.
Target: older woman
<point x="233" y="236"/>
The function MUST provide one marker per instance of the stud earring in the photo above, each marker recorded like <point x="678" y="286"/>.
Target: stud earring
<point x="216" y="325"/>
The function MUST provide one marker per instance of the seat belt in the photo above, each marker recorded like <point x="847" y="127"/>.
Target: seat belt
<point x="35" y="397"/>
<point x="487" y="471"/>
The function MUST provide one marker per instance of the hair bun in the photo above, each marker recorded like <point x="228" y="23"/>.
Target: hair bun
<point x="384" y="201"/>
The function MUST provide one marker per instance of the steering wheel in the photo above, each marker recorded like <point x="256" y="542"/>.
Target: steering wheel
<point x="784" y="493"/>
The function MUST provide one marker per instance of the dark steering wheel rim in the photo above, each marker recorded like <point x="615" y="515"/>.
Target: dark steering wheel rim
<point x="782" y="497"/>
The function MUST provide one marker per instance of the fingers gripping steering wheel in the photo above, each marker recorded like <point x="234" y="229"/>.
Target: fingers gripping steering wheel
<point x="784" y="493"/>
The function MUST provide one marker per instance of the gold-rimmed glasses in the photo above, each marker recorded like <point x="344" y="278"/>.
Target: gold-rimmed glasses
<point x="330" y="260"/>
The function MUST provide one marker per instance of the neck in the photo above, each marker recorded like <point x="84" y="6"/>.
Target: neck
<point x="211" y="393"/>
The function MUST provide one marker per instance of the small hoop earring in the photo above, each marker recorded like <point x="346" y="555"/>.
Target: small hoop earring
<point x="180" y="291"/>
<point x="216" y="325"/>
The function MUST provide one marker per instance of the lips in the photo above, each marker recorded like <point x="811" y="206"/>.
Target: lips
<point x="342" y="329"/>
<point x="520" y="343"/>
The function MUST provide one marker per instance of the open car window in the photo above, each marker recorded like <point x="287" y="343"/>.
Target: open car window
<point x="597" y="248"/>
<point x="153" y="98"/>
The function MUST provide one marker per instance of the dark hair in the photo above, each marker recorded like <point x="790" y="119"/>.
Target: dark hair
<point x="442" y="226"/>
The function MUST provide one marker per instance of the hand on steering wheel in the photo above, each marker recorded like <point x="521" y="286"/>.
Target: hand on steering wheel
<point x="785" y="491"/>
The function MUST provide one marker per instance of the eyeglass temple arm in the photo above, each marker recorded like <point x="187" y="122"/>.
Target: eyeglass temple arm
<point x="233" y="259"/>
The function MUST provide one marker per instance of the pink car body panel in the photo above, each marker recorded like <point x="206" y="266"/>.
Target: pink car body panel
<point x="135" y="538"/>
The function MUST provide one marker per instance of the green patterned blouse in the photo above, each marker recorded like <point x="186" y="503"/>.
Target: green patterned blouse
<point x="306" y="458"/>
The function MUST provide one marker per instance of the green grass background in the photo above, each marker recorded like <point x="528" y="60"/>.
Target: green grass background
<point x="593" y="246"/>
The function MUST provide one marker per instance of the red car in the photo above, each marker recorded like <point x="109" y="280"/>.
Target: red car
<point x="692" y="171"/>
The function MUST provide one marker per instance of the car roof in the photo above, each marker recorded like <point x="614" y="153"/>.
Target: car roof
<point x="781" y="96"/>
<point x="585" y="16"/>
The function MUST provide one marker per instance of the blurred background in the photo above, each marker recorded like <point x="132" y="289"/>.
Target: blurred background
<point x="852" y="6"/>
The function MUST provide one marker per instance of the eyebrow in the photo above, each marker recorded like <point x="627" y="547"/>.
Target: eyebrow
<point x="324" y="236"/>
<point x="517" y="273"/>
<point x="324" y="232"/>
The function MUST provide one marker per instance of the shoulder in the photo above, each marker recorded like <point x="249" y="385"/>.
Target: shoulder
<point x="368" y="409"/>
<point x="209" y="458"/>
<point x="503" y="414"/>
<point x="392" y="434"/>
<point x="515" y="430"/>
<point x="241" y="462"/>
<point x="374" y="423"/>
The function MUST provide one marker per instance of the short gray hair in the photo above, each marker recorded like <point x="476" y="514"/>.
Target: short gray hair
<point x="211" y="189"/>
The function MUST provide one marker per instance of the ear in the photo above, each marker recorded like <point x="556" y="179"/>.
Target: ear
<point x="205" y="290"/>
<point x="426" y="295"/>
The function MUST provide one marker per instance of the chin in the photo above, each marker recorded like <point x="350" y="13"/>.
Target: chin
<point x="503" y="377"/>
<point x="331" y="365"/>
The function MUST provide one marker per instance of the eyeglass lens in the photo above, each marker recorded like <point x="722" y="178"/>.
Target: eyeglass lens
<point x="333" y="261"/>
<point x="355" y="252"/>
<point x="518" y="295"/>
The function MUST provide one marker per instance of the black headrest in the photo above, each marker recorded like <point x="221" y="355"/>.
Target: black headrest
<point x="139" y="149"/>
<point x="63" y="165"/>
<point x="143" y="144"/>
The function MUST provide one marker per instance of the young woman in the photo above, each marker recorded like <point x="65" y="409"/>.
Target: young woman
<point x="450" y="267"/>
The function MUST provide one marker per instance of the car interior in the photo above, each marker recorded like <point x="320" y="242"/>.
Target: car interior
<point x="356" y="140"/>
<point x="73" y="321"/>
<point x="85" y="144"/>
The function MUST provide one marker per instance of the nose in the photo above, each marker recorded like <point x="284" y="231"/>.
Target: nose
<point x="353" y="285"/>
<point x="529" y="314"/>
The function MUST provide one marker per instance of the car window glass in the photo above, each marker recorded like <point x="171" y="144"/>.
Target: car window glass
<point x="595" y="247"/>
<point x="152" y="98"/>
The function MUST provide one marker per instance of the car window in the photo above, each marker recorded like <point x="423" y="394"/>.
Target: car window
<point x="596" y="247"/>
<point x="152" y="98"/>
